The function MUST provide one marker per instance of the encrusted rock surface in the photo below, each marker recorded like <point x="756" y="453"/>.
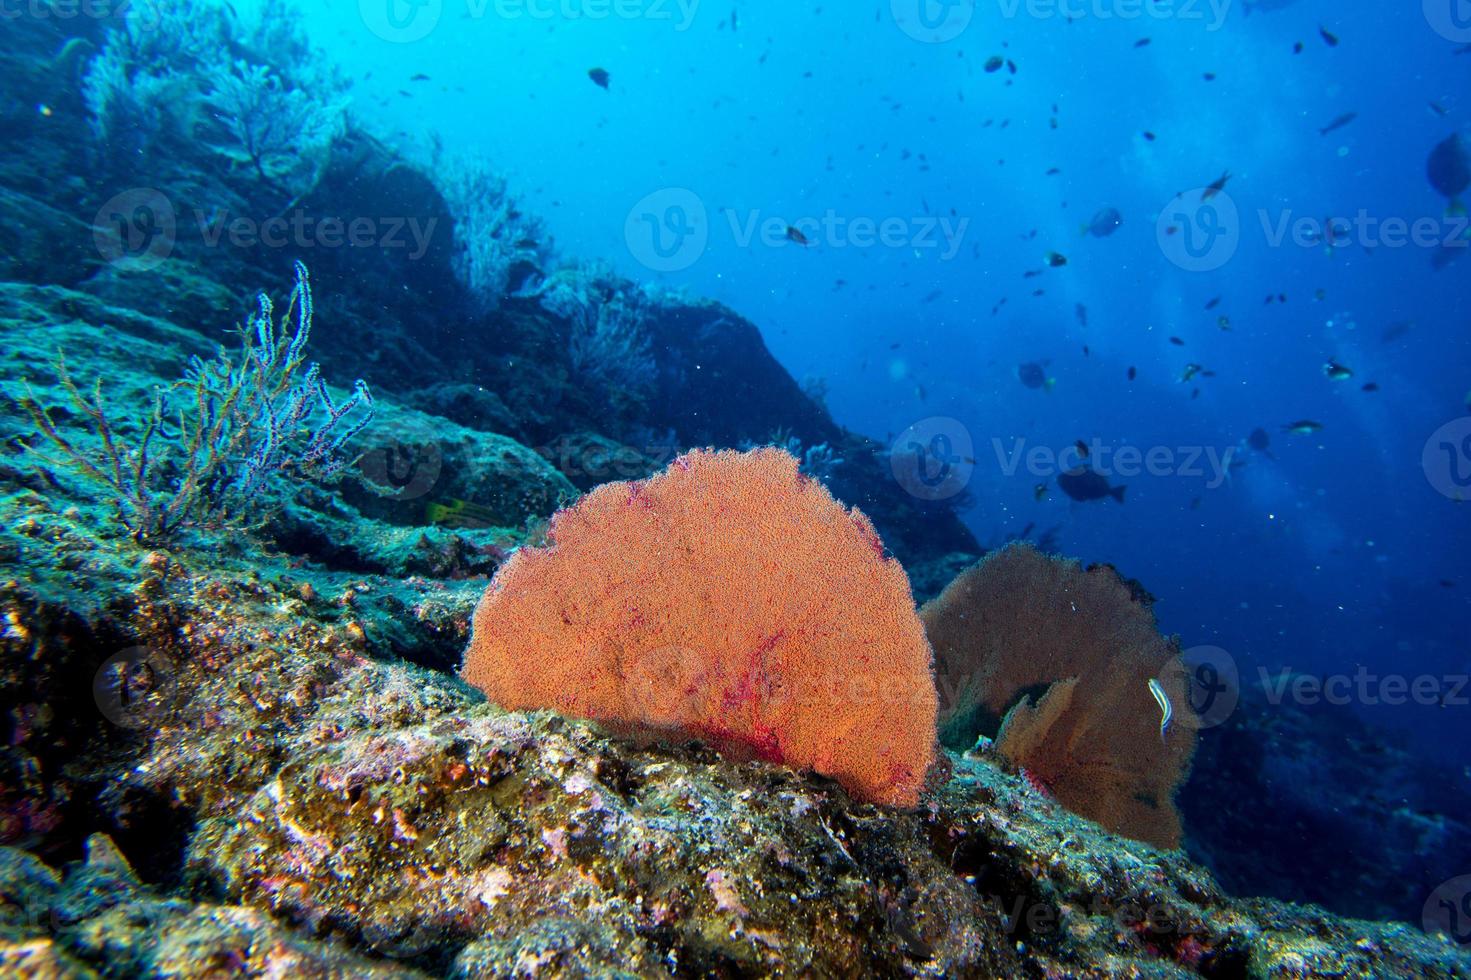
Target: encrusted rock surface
<point x="291" y="794"/>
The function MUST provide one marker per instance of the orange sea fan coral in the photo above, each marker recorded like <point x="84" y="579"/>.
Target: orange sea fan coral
<point x="1071" y="653"/>
<point x="730" y="599"/>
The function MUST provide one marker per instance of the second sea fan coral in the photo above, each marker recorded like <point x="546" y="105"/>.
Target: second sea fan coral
<point x="1068" y="660"/>
<point x="728" y="599"/>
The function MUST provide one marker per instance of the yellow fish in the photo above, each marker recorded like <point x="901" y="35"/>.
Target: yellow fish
<point x="455" y="512"/>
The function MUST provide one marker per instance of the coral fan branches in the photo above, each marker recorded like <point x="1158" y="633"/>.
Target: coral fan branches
<point x="1068" y="655"/>
<point x="729" y="599"/>
<point x="240" y="422"/>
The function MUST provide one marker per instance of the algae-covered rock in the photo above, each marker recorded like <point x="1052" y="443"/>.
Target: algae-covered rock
<point x="101" y="920"/>
<point x="321" y="792"/>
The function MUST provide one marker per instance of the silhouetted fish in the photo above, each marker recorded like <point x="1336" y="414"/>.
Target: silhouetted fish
<point x="1104" y="223"/>
<point x="1448" y="167"/>
<point x="1084" y="485"/>
<point x="1034" y="375"/>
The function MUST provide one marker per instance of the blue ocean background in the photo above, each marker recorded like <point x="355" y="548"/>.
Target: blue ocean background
<point x="1328" y="553"/>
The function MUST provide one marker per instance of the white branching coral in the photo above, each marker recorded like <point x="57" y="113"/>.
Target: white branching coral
<point x="492" y="235"/>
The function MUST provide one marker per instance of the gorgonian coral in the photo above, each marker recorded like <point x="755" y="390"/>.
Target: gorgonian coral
<point x="729" y="599"/>
<point x="1067" y="656"/>
<point x="217" y="438"/>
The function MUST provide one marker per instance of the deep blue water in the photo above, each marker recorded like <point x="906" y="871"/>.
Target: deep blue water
<point x="1328" y="553"/>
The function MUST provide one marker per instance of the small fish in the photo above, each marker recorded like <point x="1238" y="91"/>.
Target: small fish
<point x="1104" y="223"/>
<point x="1224" y="322"/>
<point x="1039" y="492"/>
<point x="1395" y="331"/>
<point x="1216" y="186"/>
<point x="1166" y="710"/>
<point x="1082" y="448"/>
<point x="1213" y="303"/>
<point x="994" y="63"/>
<point x="1084" y="485"/>
<point x="1191" y="370"/>
<point x="420" y="77"/>
<point x="795" y="235"/>
<point x="1329" y="38"/>
<point x="1056" y="259"/>
<point x="1336" y="371"/>
<point x="1371" y="387"/>
<point x="1150" y="137"/>
<point x="1338" y="123"/>
<point x="455" y="512"/>
<point x="599" y="76"/>
<point x="1034" y="375"/>
<point x="1133" y="372"/>
<point x="1303" y="427"/>
<point x="1177" y="341"/>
